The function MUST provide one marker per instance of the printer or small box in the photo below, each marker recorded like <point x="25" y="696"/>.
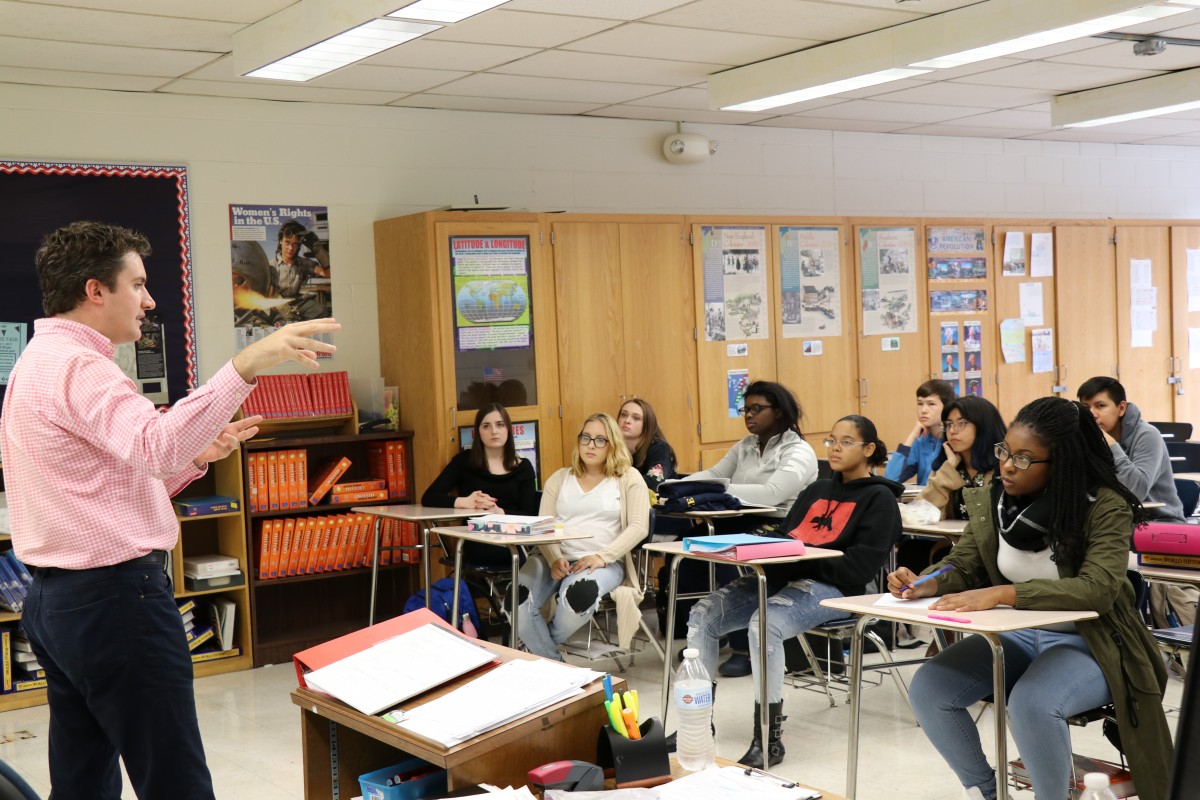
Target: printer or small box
<point x="209" y="566"/>
<point x="193" y="584"/>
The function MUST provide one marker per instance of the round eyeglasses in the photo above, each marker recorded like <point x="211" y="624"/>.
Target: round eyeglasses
<point x="1019" y="461"/>
<point x="599" y="441"/>
<point x="841" y="444"/>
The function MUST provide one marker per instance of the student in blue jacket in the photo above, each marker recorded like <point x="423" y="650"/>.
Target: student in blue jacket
<point x="916" y="454"/>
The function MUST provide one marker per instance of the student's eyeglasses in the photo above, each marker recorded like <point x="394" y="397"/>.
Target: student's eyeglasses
<point x="841" y="444"/>
<point x="1019" y="461"/>
<point x="599" y="441"/>
<point x="753" y="410"/>
<point x="957" y="425"/>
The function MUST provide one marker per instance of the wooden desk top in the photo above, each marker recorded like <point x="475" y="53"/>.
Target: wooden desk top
<point x="950" y="528"/>
<point x="414" y="512"/>
<point x="1187" y="476"/>
<point x="435" y="753"/>
<point x="549" y="537"/>
<point x="995" y="620"/>
<point x="677" y="549"/>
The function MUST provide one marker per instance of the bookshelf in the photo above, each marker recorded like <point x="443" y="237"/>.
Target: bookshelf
<point x="289" y="614"/>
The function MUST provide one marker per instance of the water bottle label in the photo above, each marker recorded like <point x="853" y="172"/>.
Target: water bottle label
<point x="692" y="698"/>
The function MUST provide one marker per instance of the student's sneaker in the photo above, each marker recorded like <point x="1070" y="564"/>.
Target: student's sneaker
<point x="974" y="793"/>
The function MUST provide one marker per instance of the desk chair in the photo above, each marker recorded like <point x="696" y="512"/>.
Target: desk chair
<point x="1174" y="431"/>
<point x="13" y="786"/>
<point x="1188" y="451"/>
<point x="1189" y="495"/>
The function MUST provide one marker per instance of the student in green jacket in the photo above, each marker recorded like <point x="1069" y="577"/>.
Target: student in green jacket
<point x="1052" y="533"/>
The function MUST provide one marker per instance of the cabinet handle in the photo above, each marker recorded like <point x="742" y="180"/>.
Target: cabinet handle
<point x="866" y="389"/>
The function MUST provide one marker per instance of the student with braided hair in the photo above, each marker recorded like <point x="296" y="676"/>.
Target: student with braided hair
<point x="1052" y="533"/>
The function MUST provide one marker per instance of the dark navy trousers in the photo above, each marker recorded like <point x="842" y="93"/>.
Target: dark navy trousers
<point x="119" y="680"/>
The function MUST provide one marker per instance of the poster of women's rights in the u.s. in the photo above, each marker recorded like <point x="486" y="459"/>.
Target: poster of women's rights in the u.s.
<point x="735" y="282"/>
<point x="280" y="262"/>
<point x="810" y="279"/>
<point x="888" y="279"/>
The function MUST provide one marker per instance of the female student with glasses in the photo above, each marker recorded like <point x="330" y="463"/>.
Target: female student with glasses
<point x="600" y="494"/>
<point x="971" y="426"/>
<point x="854" y="512"/>
<point x="1052" y="533"/>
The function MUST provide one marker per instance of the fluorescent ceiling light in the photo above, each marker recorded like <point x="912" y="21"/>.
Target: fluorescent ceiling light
<point x="345" y="48"/>
<point x="1149" y="97"/>
<point x="980" y="31"/>
<point x="447" y="11"/>
<point x="826" y="89"/>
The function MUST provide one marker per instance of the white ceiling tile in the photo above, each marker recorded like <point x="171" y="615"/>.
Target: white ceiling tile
<point x="80" y="80"/>
<point x="527" y="88"/>
<point x="685" y="44"/>
<point x="15" y="52"/>
<point x="426" y="53"/>
<point x="810" y="20"/>
<point x="395" y="80"/>
<point x="1153" y="126"/>
<point x="1120" y="54"/>
<point x="972" y="69"/>
<point x="677" y="115"/>
<point x="1007" y="119"/>
<point x="910" y="113"/>
<point x="1060" y="49"/>
<point x="521" y="29"/>
<point x="245" y="11"/>
<point x="814" y="123"/>
<point x="966" y="130"/>
<point x="954" y="93"/>
<point x="608" y="9"/>
<point x="1165" y="24"/>
<point x="278" y="91"/>
<point x="1191" y="141"/>
<point x="687" y="98"/>
<point x="1190" y="27"/>
<point x="494" y="104"/>
<point x="883" y="88"/>
<point x="587" y="66"/>
<point x="924" y="7"/>
<point x="55" y="23"/>
<point x="1055" y="77"/>
<point x="1080" y="135"/>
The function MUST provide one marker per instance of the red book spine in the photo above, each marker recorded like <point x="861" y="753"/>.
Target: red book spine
<point x="359" y="497"/>
<point x="273" y="479"/>
<point x="302" y="478"/>
<point x="251" y="483"/>
<point x="264" y="549"/>
<point x="285" y="545"/>
<point x="310" y="532"/>
<point x="385" y="555"/>
<point x="366" y="534"/>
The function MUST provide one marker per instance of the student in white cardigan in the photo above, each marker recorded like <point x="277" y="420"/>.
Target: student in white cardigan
<point x="601" y="494"/>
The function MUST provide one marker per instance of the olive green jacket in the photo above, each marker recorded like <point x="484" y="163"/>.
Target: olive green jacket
<point x="1118" y="639"/>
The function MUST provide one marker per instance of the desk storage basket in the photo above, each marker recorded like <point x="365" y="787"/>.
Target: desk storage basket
<point x="374" y="784"/>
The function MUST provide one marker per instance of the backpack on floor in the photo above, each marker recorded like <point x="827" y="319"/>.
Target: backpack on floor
<point x="442" y="602"/>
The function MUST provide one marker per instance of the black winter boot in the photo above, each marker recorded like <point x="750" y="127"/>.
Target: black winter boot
<point x="775" y="751"/>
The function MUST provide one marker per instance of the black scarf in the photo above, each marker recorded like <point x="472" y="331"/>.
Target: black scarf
<point x="1023" y="523"/>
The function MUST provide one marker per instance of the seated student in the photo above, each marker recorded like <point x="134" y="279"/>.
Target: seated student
<point x="1144" y="467"/>
<point x="769" y="467"/>
<point x="600" y="494"/>
<point x="854" y="512"/>
<point x="489" y="477"/>
<point x="915" y="455"/>
<point x="1052" y="533"/>
<point x="652" y="454"/>
<point x="972" y="425"/>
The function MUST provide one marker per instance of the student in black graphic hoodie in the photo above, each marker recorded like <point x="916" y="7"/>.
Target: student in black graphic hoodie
<point x="855" y="512"/>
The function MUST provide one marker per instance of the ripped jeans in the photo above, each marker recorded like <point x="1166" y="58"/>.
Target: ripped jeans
<point x="578" y="596"/>
<point x="790" y="612"/>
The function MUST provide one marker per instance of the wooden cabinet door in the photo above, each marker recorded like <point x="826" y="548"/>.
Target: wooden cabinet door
<point x="825" y="382"/>
<point x="1086" y="304"/>
<point x="591" y="325"/>
<point x="888" y="379"/>
<point x="659" y="320"/>
<point x="1018" y="383"/>
<point x="1144" y="369"/>
<point x="1186" y="393"/>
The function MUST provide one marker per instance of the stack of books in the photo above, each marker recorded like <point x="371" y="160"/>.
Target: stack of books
<point x="280" y="479"/>
<point x="14" y="582"/>
<point x="209" y="628"/>
<point x="510" y="524"/>
<point x="319" y="394"/>
<point x="27" y="673"/>
<point x="744" y="546"/>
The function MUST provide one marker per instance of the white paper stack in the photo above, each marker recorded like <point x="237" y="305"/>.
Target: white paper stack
<point x="509" y="692"/>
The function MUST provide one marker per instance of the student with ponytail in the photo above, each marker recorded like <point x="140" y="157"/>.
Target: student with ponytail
<point x="1052" y="533"/>
<point x="854" y="512"/>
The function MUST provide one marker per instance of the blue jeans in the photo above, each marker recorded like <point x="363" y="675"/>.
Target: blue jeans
<point x="790" y="612"/>
<point x="578" y="596"/>
<point x="119" y="680"/>
<point x="1050" y="676"/>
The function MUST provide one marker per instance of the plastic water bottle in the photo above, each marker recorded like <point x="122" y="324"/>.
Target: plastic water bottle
<point x="1095" y="787"/>
<point x="695" y="748"/>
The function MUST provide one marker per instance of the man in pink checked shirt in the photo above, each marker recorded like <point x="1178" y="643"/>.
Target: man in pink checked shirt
<point x="90" y="467"/>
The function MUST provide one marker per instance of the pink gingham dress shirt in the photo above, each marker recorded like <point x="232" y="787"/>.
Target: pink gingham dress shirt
<point x="89" y="464"/>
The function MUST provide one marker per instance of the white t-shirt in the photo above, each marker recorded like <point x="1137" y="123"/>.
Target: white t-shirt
<point x="1020" y="566"/>
<point x="597" y="512"/>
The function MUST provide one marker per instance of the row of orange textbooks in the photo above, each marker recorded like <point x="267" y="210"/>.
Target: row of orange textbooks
<point x="329" y="543"/>
<point x="318" y="394"/>
<point x="279" y="479"/>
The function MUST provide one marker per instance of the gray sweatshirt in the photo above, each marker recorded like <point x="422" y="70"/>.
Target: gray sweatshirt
<point x="1144" y="466"/>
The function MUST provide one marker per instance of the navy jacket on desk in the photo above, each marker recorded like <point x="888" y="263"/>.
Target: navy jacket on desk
<point x="860" y="517"/>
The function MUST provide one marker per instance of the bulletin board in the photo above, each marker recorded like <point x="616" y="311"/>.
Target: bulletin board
<point x="39" y="197"/>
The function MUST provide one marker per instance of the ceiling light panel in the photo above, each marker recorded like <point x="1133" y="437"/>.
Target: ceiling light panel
<point x="345" y="48"/>
<point x="1149" y="97"/>
<point x="445" y="11"/>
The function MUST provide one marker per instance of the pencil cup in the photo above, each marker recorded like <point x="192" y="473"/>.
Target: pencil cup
<point x="635" y="762"/>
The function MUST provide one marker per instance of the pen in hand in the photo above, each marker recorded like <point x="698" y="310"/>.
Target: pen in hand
<point x="937" y="573"/>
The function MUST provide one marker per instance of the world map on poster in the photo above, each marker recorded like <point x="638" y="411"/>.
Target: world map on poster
<point x="484" y="301"/>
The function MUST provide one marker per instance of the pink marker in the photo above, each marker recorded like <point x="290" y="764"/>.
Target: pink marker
<point x="948" y="619"/>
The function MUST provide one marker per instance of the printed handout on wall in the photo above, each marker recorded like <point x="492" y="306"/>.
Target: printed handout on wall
<point x="810" y="278"/>
<point x="1012" y="340"/>
<point x="735" y="282"/>
<point x="1041" y="345"/>
<point x="889" y="281"/>
<point x="736" y="381"/>
<point x="280" y="264"/>
<point x="957" y="301"/>
<point x="1041" y="255"/>
<point x="957" y="269"/>
<point x="1143" y="303"/>
<point x="955" y="240"/>
<point x="13" y="336"/>
<point x="972" y="335"/>
<point x="490" y="276"/>
<point x="1014" y="253"/>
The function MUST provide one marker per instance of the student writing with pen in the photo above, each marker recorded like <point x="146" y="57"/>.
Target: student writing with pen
<point x="1052" y="533"/>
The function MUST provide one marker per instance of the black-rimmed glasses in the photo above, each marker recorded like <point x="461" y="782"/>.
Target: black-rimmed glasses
<point x="1019" y="461"/>
<point x="599" y="441"/>
<point x="753" y="410"/>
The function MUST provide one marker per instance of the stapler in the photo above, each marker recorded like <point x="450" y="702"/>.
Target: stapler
<point x="568" y="776"/>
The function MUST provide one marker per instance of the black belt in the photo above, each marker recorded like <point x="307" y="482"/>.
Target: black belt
<point x="155" y="557"/>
